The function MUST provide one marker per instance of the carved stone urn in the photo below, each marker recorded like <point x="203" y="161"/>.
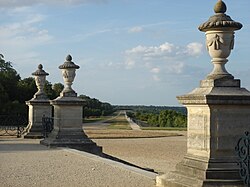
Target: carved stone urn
<point x="40" y="78"/>
<point x="68" y="72"/>
<point x="219" y="39"/>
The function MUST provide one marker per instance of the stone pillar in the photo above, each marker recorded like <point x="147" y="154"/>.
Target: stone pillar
<point x="68" y="111"/>
<point x="218" y="115"/>
<point x="39" y="105"/>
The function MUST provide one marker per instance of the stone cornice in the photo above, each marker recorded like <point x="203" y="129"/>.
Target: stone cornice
<point x="220" y="20"/>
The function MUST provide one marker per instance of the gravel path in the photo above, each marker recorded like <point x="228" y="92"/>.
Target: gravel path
<point x="27" y="163"/>
<point x="160" y="154"/>
<point x="133" y="125"/>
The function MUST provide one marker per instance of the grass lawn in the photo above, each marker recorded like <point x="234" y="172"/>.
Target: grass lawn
<point x="94" y="119"/>
<point x="119" y="134"/>
<point x="165" y="128"/>
<point x="120" y="126"/>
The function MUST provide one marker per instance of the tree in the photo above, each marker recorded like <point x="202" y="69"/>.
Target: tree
<point x="166" y="118"/>
<point x="163" y="118"/>
<point x="8" y="78"/>
<point x="50" y="91"/>
<point x="58" y="88"/>
<point x="26" y="89"/>
<point x="3" y="97"/>
<point x="153" y="120"/>
<point x="94" y="107"/>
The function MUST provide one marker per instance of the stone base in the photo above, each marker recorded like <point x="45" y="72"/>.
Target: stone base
<point x="179" y="180"/>
<point x="37" y="110"/>
<point x="68" y="130"/>
<point x="34" y="133"/>
<point x="197" y="172"/>
<point x="82" y="145"/>
<point x="72" y="137"/>
<point x="218" y="115"/>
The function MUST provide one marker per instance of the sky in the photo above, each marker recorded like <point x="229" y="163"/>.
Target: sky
<point x="130" y="52"/>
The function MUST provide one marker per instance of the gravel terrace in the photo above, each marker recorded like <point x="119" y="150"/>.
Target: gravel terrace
<point x="160" y="154"/>
<point x="27" y="163"/>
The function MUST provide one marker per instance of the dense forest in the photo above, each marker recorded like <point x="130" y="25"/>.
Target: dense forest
<point x="14" y="91"/>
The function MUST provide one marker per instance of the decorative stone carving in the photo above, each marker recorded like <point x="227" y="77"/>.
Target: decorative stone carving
<point x="220" y="39"/>
<point x="40" y="78"/>
<point x="220" y="19"/>
<point x="216" y="42"/>
<point x="68" y="73"/>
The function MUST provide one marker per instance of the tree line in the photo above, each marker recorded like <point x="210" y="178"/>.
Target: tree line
<point x="152" y="109"/>
<point x="14" y="91"/>
<point x="96" y="108"/>
<point x="164" y="118"/>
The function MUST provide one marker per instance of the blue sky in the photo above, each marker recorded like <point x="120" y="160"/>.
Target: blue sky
<point x="129" y="51"/>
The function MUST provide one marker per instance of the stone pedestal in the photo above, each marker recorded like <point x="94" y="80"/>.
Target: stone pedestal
<point x="39" y="105"/>
<point x="68" y="111"/>
<point x="37" y="109"/>
<point x="218" y="115"/>
<point x="68" y="130"/>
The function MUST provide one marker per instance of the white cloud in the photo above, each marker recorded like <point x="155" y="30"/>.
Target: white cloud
<point x="155" y="70"/>
<point x="25" y="30"/>
<point x="165" y="58"/>
<point x="194" y="49"/>
<point x="165" y="51"/>
<point x="150" y="53"/>
<point x="24" y="33"/>
<point x="80" y="37"/>
<point x="21" y="35"/>
<point x="135" y="29"/>
<point x="23" y="3"/>
<point x="156" y="78"/>
<point x="176" y="68"/>
<point x="129" y="63"/>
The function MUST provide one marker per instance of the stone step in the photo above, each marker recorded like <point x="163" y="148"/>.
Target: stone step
<point x="176" y="179"/>
<point x="209" y="173"/>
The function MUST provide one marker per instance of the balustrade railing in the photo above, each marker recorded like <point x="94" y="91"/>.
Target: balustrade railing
<point x="243" y="152"/>
<point x="13" y="125"/>
<point x="48" y="125"/>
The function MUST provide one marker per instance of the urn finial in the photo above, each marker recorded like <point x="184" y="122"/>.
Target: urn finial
<point x="220" y="20"/>
<point x="68" y="72"/>
<point x="219" y="31"/>
<point x="40" y="79"/>
<point x="69" y="58"/>
<point x="40" y="66"/>
<point x="220" y="7"/>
